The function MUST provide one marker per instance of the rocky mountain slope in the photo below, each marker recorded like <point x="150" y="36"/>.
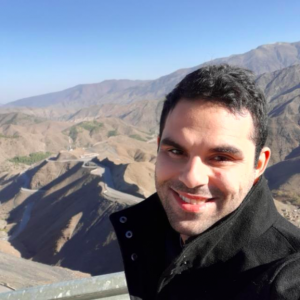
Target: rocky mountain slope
<point x="142" y="114"/>
<point x="57" y="211"/>
<point x="22" y="135"/>
<point x="87" y="133"/>
<point x="282" y="89"/>
<point x="88" y="93"/>
<point x="266" y="58"/>
<point x="28" y="273"/>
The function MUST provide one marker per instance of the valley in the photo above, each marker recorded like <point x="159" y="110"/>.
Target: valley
<point x="69" y="159"/>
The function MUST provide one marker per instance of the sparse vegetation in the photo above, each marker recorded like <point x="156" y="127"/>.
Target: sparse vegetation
<point x="9" y="136"/>
<point x="31" y="159"/>
<point x="137" y="137"/>
<point x="73" y="133"/>
<point x="91" y="126"/>
<point x="112" y="133"/>
<point x="22" y="119"/>
<point x="286" y="196"/>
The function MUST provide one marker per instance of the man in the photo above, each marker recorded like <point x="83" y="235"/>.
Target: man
<point x="212" y="230"/>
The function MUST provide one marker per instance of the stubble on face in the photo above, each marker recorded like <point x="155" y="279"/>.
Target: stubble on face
<point x="227" y="176"/>
<point x="192" y="224"/>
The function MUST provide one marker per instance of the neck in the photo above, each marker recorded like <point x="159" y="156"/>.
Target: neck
<point x="183" y="238"/>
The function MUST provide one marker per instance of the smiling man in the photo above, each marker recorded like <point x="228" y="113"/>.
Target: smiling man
<point x="211" y="231"/>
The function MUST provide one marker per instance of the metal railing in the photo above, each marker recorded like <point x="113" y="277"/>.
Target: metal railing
<point x="110" y="287"/>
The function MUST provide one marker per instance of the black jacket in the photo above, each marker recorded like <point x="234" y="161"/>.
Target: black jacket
<point x="253" y="253"/>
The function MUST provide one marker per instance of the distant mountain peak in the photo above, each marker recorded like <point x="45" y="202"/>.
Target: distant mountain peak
<point x="265" y="58"/>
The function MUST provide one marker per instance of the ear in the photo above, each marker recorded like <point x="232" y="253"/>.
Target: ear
<point x="262" y="163"/>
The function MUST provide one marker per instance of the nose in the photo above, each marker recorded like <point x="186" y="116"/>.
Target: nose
<point x="194" y="173"/>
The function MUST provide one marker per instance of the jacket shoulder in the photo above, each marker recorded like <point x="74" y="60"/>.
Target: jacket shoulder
<point x="286" y="280"/>
<point x="289" y="232"/>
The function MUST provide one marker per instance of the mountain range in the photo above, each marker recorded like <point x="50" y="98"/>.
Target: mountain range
<point x="266" y="58"/>
<point x="102" y="139"/>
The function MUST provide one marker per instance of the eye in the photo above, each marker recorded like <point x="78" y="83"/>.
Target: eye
<point x="221" y="158"/>
<point x="175" y="152"/>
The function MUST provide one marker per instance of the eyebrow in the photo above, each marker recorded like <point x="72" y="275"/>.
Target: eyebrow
<point x="169" y="142"/>
<point x="219" y="149"/>
<point x="227" y="149"/>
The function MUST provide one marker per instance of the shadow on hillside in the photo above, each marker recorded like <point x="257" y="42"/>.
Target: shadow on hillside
<point x="80" y="250"/>
<point x="117" y="172"/>
<point x="279" y="108"/>
<point x="286" y="92"/>
<point x="17" y="182"/>
<point x="67" y="223"/>
<point x="4" y="180"/>
<point x="9" y="192"/>
<point x="59" y="179"/>
<point x="31" y="172"/>
<point x="295" y="153"/>
<point x="15" y="213"/>
<point x="45" y="206"/>
<point x="281" y="172"/>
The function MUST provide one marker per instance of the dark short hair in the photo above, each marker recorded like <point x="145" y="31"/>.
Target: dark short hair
<point x="229" y="86"/>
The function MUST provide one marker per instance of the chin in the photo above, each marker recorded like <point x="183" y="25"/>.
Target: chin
<point x="189" y="229"/>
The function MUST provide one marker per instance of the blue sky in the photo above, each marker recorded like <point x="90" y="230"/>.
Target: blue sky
<point x="51" y="45"/>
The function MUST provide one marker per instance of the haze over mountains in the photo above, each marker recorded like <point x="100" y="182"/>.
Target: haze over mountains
<point x="105" y="135"/>
<point x="266" y="58"/>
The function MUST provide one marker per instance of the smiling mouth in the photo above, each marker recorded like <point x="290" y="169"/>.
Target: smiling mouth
<point x="190" y="201"/>
<point x="192" y="198"/>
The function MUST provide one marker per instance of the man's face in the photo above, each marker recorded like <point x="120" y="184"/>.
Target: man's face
<point x="205" y="164"/>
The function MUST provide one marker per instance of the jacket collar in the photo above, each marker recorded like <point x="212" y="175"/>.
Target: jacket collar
<point x="221" y="242"/>
<point x="150" y="226"/>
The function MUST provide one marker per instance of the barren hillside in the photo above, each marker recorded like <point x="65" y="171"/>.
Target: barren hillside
<point x="28" y="273"/>
<point x="266" y="58"/>
<point x="22" y="134"/>
<point x="103" y="141"/>
<point x="57" y="211"/>
<point x="142" y="114"/>
<point x="88" y="133"/>
<point x="282" y="89"/>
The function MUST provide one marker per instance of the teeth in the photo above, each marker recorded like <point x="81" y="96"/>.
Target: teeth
<point x="187" y="200"/>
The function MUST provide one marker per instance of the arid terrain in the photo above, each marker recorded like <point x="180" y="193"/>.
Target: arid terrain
<point x="69" y="159"/>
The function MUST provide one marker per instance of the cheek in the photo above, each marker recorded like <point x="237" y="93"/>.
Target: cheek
<point x="165" y="168"/>
<point x="226" y="181"/>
